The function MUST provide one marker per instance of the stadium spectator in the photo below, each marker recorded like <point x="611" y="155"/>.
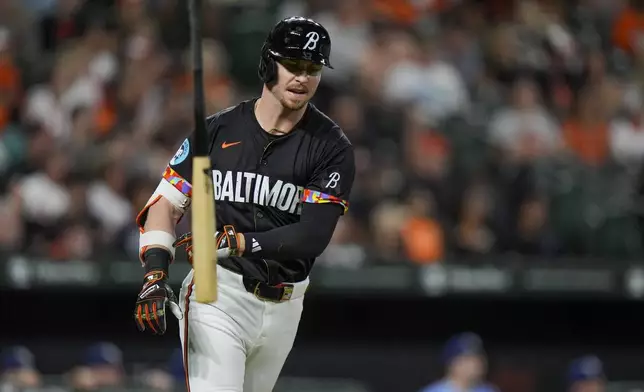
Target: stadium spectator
<point x="481" y="128"/>
<point x="435" y="96"/>
<point x="422" y="235"/>
<point x="10" y="79"/>
<point x="170" y="378"/>
<point x="18" y="369"/>
<point x="627" y="132"/>
<point x="100" y="368"/>
<point x="627" y="28"/>
<point x="524" y="130"/>
<point x="586" y="132"/>
<point x="473" y="234"/>
<point x="586" y="374"/>
<point x="466" y="366"/>
<point x="426" y="80"/>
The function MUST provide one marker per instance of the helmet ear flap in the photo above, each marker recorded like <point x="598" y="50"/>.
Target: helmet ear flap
<point x="267" y="71"/>
<point x="261" y="70"/>
<point x="271" y="71"/>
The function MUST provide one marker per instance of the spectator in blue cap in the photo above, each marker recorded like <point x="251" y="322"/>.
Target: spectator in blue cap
<point x="586" y="374"/>
<point x="466" y="365"/>
<point x="102" y="366"/>
<point x="18" y="368"/>
<point x="170" y="379"/>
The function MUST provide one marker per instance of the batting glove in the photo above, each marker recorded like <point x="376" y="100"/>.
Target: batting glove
<point x="227" y="243"/>
<point x="153" y="300"/>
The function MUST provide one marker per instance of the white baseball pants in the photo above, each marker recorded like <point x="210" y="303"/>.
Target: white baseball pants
<point x="239" y="343"/>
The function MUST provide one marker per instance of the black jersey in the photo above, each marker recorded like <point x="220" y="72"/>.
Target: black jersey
<point x="261" y="180"/>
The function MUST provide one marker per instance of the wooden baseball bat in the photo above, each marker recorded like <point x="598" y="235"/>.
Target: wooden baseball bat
<point x="204" y="259"/>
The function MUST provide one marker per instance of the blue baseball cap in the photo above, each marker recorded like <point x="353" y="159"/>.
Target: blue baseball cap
<point x="467" y="343"/>
<point x="17" y="357"/>
<point x="103" y="353"/>
<point x="585" y="368"/>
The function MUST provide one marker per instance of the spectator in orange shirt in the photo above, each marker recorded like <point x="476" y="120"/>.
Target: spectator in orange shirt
<point x="628" y="29"/>
<point x="586" y="133"/>
<point x="9" y="79"/>
<point x="422" y="236"/>
<point x="408" y="12"/>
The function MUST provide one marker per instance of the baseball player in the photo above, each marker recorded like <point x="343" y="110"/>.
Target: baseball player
<point x="282" y="174"/>
<point x="466" y="364"/>
<point x="586" y="374"/>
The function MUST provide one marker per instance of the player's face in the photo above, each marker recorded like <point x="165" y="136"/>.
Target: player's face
<point x="297" y="81"/>
<point x="589" y="386"/>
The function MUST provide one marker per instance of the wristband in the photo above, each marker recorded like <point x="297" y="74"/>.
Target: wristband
<point x="157" y="259"/>
<point x="157" y="238"/>
<point x="251" y="245"/>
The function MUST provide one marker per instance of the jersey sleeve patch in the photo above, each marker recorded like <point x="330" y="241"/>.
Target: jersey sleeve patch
<point x="317" y="197"/>
<point x="177" y="181"/>
<point x="181" y="154"/>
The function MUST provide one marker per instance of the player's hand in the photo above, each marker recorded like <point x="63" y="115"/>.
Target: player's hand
<point x="229" y="243"/>
<point x="155" y="298"/>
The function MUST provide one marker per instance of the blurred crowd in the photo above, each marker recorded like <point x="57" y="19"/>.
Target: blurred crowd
<point x="100" y="367"/>
<point x="481" y="127"/>
<point x="463" y="358"/>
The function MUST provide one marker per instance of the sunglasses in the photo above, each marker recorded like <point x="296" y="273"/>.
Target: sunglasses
<point x="297" y="66"/>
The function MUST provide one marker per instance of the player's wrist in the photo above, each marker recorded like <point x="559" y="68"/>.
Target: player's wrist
<point x="157" y="259"/>
<point x="154" y="276"/>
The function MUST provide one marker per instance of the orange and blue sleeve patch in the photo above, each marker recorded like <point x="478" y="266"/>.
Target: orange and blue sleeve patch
<point x="177" y="181"/>
<point x="317" y="197"/>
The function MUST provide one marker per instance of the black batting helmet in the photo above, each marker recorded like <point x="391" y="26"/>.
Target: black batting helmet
<point x="294" y="38"/>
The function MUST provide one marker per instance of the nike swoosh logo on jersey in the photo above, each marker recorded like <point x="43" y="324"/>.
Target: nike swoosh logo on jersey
<point x="226" y="145"/>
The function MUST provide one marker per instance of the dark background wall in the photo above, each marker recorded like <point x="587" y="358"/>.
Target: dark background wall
<point x="390" y="343"/>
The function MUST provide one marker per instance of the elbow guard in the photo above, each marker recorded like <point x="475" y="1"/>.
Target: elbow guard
<point x="165" y="189"/>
